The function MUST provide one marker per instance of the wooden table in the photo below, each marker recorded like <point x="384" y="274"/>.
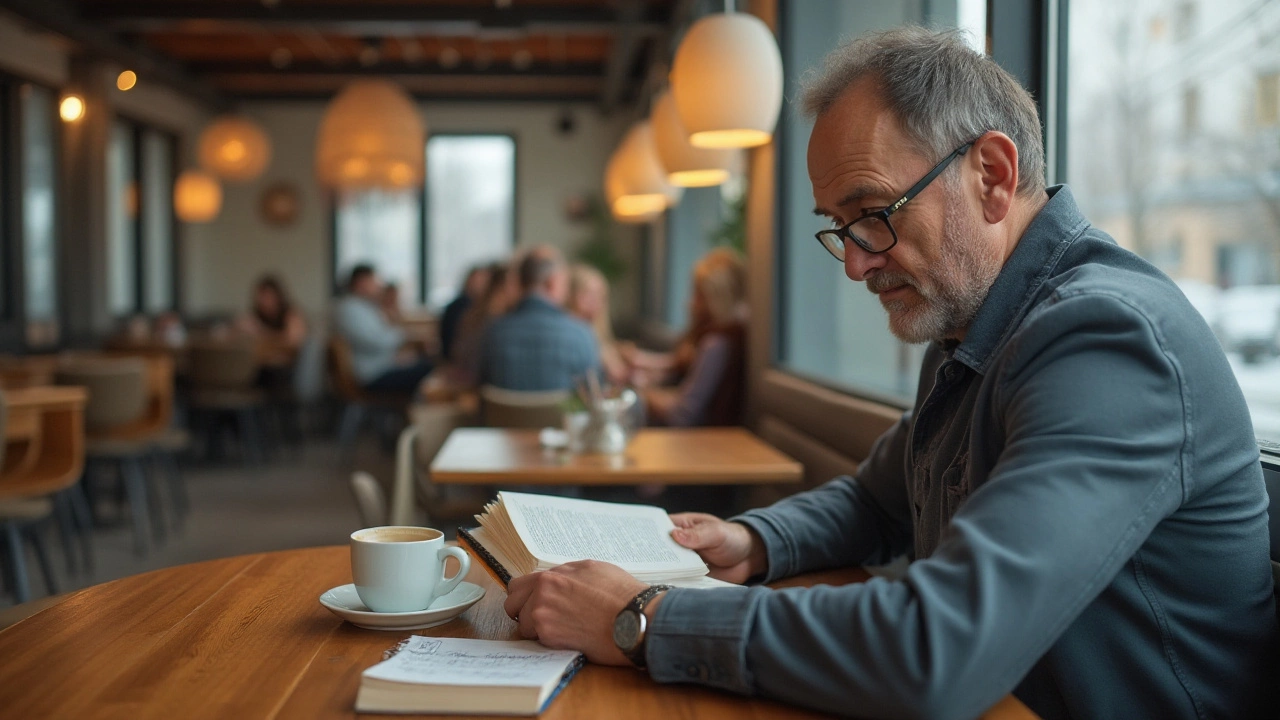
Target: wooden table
<point x="44" y="439"/>
<point x="674" y="456"/>
<point x="246" y="637"/>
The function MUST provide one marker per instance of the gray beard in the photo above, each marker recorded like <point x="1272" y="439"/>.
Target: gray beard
<point x="951" y="292"/>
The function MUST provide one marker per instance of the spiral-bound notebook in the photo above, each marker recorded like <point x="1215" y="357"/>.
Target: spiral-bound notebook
<point x="467" y="677"/>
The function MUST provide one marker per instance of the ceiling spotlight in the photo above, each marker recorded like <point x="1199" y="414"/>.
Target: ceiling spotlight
<point x="71" y="108"/>
<point x="521" y="59"/>
<point x="281" y="57"/>
<point x="410" y="51"/>
<point x="126" y="80"/>
<point x="370" y="54"/>
<point x="450" y="57"/>
<point x="502" y="3"/>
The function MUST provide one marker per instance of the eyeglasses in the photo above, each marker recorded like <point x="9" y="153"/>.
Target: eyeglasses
<point x="872" y="230"/>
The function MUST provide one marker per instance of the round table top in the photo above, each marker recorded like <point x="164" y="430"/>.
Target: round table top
<point x="247" y="637"/>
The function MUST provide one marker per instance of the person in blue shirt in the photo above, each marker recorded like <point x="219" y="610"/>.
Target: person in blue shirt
<point x="376" y="343"/>
<point x="1077" y="482"/>
<point x="537" y="346"/>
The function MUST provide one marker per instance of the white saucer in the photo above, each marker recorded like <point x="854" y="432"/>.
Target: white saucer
<point x="344" y="602"/>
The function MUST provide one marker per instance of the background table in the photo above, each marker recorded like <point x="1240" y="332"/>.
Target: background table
<point x="676" y="456"/>
<point x="247" y="637"/>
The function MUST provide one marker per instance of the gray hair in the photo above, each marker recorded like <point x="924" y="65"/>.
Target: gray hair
<point x="538" y="266"/>
<point x="943" y="92"/>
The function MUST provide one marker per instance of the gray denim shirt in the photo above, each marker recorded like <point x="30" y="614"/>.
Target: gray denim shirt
<point x="1079" y="484"/>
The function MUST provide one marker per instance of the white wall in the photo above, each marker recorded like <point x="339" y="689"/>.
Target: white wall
<point x="222" y="263"/>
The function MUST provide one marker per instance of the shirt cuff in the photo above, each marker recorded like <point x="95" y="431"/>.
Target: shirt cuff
<point x="700" y="636"/>
<point x="779" y="545"/>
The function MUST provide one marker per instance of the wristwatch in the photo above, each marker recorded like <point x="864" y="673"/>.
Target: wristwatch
<point x="630" y="625"/>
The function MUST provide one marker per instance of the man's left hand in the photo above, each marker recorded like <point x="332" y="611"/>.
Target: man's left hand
<point x="573" y="607"/>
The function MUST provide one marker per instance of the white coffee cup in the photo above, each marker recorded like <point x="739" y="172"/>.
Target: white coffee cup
<point x="401" y="568"/>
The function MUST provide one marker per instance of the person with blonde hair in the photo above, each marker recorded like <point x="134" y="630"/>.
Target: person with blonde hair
<point x="589" y="302"/>
<point x="709" y="363"/>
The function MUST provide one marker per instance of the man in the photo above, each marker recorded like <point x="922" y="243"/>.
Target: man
<point x="538" y="346"/>
<point x="374" y="341"/>
<point x="1078" y="481"/>
<point x="472" y="290"/>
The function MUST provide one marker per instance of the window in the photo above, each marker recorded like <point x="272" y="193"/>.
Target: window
<point x="39" y="230"/>
<point x="1207" y="214"/>
<point x="384" y="229"/>
<point x="470" y="207"/>
<point x="140" y="269"/>
<point x="469" y="219"/>
<point x="829" y="328"/>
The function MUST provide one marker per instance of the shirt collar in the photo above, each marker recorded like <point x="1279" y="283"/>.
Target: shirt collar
<point x="1049" y="235"/>
<point x="534" y="301"/>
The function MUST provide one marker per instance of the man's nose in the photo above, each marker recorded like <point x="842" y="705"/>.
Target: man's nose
<point x="860" y="264"/>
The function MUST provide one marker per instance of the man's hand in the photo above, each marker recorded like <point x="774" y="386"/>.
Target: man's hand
<point x="573" y="606"/>
<point x="733" y="551"/>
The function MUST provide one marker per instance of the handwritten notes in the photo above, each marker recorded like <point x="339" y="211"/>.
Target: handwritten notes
<point x="454" y="661"/>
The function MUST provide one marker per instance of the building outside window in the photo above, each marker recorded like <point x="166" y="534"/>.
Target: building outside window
<point x="1174" y="150"/>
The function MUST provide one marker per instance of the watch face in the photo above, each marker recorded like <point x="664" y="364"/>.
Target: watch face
<point x="626" y="630"/>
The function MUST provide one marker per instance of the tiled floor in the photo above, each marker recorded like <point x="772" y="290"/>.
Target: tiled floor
<point x="288" y="503"/>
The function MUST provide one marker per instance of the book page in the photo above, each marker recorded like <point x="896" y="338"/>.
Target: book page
<point x="636" y="538"/>
<point x="455" y="661"/>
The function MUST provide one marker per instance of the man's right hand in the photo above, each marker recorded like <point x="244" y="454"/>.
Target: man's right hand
<point x="733" y="551"/>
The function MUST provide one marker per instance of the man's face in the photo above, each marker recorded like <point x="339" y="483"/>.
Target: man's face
<point x="369" y="286"/>
<point x="934" y="280"/>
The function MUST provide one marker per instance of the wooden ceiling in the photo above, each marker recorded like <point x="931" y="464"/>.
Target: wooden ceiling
<point x="438" y="49"/>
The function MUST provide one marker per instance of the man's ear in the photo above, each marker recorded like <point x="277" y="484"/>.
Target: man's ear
<point x="995" y="157"/>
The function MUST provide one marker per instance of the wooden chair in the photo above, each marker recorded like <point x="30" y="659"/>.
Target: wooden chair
<point x="517" y="409"/>
<point x="27" y="488"/>
<point x="358" y="403"/>
<point x="223" y="377"/>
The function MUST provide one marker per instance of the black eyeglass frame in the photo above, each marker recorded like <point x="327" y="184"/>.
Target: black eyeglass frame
<point x="839" y="235"/>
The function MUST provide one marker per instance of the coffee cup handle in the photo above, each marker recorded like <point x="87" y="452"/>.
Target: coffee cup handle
<point x="447" y="585"/>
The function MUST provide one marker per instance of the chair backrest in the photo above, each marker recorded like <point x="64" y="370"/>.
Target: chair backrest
<point x="371" y="501"/>
<point x="344" y="371"/>
<point x="308" y="369"/>
<point x="518" y="409"/>
<point x="225" y="366"/>
<point x="117" y="388"/>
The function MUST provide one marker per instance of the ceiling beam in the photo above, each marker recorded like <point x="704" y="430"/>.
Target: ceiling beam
<point x="394" y="69"/>
<point x="61" y="18"/>
<point x="366" y="18"/>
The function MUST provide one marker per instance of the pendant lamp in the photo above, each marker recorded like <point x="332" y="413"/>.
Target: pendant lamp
<point x="197" y="197"/>
<point x="635" y="178"/>
<point x="686" y="165"/>
<point x="371" y="136"/>
<point x="234" y="148"/>
<point x="613" y="191"/>
<point x="727" y="81"/>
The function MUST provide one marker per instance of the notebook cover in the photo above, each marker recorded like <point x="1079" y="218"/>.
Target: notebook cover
<point x="473" y="546"/>
<point x="573" y="669"/>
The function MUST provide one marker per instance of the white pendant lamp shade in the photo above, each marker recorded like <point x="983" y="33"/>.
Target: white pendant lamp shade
<point x="686" y="165"/>
<point x="197" y="197"/>
<point x="727" y="81"/>
<point x="635" y="181"/>
<point x="371" y="136"/>
<point x="234" y="148"/>
<point x="641" y="212"/>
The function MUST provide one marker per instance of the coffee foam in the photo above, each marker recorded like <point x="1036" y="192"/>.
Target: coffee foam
<point x="397" y="535"/>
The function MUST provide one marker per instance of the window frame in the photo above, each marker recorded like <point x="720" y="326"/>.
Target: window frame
<point x="138" y="130"/>
<point x="424" y="239"/>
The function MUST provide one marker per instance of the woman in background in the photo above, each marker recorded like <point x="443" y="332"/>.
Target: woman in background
<point x="499" y="297"/>
<point x="709" y="365"/>
<point x="279" y="327"/>
<point x="589" y="302"/>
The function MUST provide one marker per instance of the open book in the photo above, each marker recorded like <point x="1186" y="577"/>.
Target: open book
<point x="470" y="677"/>
<point x="521" y="533"/>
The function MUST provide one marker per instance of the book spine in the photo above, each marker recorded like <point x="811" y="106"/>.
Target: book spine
<point x="490" y="563"/>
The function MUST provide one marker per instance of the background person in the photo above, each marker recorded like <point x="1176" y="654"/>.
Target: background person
<point x="374" y="341"/>
<point x="589" y="302"/>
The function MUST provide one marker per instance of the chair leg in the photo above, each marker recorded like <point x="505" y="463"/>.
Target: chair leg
<point x="17" y="562"/>
<point x="151" y="480"/>
<point x="35" y="533"/>
<point x="84" y="523"/>
<point x="136" y="489"/>
<point x="64" y="516"/>
<point x="167" y="463"/>
<point x="352" y="417"/>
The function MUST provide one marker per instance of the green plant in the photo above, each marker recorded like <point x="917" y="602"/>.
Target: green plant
<point x="600" y="248"/>
<point x="733" y="228"/>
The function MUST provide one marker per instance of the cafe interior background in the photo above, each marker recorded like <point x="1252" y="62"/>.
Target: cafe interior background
<point x="158" y="157"/>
